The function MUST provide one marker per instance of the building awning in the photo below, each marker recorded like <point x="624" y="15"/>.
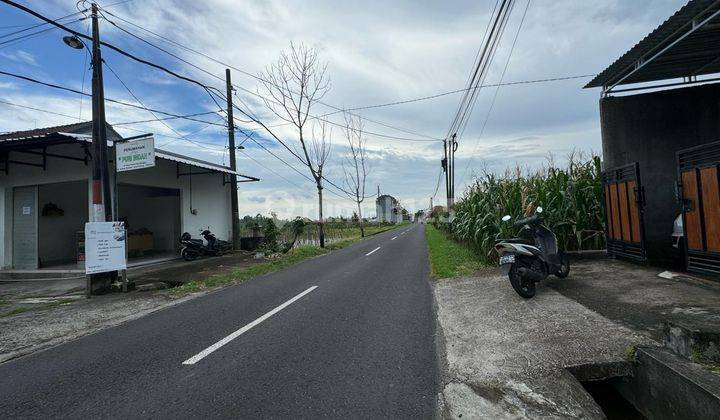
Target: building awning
<point x="685" y="45"/>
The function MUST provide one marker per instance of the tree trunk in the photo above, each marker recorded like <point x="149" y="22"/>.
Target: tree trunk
<point x="321" y="228"/>
<point x="360" y="219"/>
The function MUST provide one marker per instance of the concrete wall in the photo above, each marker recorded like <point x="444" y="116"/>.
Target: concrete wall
<point x="206" y="194"/>
<point x="650" y="128"/>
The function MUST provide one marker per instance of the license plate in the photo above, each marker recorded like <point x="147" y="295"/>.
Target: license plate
<point x="507" y="259"/>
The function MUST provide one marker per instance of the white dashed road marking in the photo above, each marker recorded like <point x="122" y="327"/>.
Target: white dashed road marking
<point x="372" y="251"/>
<point x="198" y="357"/>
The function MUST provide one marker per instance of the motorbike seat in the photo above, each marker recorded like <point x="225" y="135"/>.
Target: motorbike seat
<point x="196" y="241"/>
<point x="518" y="241"/>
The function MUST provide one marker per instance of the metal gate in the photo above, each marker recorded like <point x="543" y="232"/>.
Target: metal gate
<point x="699" y="181"/>
<point x="624" y="198"/>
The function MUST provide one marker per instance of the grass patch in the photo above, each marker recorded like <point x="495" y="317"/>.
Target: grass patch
<point x="15" y="311"/>
<point x="449" y="258"/>
<point x="294" y="256"/>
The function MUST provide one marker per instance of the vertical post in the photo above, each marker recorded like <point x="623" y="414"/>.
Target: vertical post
<point x="101" y="199"/>
<point x="102" y="210"/>
<point x="452" y="147"/>
<point x="233" y="178"/>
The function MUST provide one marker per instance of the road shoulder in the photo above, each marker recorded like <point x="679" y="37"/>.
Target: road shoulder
<point x="506" y="357"/>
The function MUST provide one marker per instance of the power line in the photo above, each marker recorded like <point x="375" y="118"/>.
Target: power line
<point x="197" y="114"/>
<point x="36" y="109"/>
<point x="186" y="48"/>
<point x="497" y="89"/>
<point x="271" y="170"/>
<point x="450" y="92"/>
<point x="115" y="101"/>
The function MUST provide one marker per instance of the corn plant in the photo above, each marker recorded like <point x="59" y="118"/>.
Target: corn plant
<point x="571" y="198"/>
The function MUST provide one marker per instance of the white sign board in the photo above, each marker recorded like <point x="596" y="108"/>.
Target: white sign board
<point x="136" y="154"/>
<point x="104" y="247"/>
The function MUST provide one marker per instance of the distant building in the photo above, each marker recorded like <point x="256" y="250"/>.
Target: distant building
<point x="388" y="209"/>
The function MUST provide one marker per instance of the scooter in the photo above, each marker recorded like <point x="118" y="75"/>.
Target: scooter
<point x="531" y="257"/>
<point x="218" y="245"/>
<point x="193" y="249"/>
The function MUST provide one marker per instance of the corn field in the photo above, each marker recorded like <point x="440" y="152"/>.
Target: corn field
<point x="571" y="198"/>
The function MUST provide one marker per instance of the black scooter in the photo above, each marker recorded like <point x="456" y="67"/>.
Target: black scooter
<point x="532" y="256"/>
<point x="193" y="249"/>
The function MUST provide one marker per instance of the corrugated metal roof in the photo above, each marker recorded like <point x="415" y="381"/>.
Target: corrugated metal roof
<point x="70" y="131"/>
<point x="693" y="55"/>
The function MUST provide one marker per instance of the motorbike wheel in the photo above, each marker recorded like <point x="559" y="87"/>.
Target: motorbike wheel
<point x="524" y="288"/>
<point x="188" y="255"/>
<point x="564" y="269"/>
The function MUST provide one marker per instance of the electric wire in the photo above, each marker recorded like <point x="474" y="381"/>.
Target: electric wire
<point x="186" y="48"/>
<point x="497" y="89"/>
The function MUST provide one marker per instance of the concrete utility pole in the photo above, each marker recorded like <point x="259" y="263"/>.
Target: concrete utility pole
<point x="101" y="198"/>
<point x="233" y="178"/>
<point x="449" y="166"/>
<point x="102" y="206"/>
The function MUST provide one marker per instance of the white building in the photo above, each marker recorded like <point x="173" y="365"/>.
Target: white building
<point x="388" y="209"/>
<point x="46" y="198"/>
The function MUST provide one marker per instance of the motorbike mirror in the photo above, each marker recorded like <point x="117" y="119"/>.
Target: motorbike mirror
<point x="539" y="210"/>
<point x="506" y="218"/>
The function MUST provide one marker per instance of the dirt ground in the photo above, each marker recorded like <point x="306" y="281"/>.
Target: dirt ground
<point x="39" y="314"/>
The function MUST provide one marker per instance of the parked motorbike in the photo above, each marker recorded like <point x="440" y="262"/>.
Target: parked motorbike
<point x="193" y="249"/>
<point x="218" y="245"/>
<point x="532" y="256"/>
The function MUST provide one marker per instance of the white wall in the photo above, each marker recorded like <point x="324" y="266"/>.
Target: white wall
<point x="209" y="196"/>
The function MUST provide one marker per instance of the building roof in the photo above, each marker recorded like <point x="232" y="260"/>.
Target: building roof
<point x="78" y="132"/>
<point x="686" y="44"/>
<point x="39" y="133"/>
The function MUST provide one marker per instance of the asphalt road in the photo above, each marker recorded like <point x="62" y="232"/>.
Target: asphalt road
<point x="361" y="343"/>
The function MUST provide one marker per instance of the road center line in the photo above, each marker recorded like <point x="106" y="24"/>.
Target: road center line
<point x="198" y="357"/>
<point x="372" y="251"/>
<point x="393" y="238"/>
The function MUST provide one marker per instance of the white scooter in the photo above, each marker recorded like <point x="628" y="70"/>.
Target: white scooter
<point x="529" y="258"/>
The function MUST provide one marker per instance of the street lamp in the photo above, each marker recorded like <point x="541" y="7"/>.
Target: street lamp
<point x="73" y="42"/>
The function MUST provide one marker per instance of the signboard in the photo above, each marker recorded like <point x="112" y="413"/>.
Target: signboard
<point x="104" y="247"/>
<point x="136" y="154"/>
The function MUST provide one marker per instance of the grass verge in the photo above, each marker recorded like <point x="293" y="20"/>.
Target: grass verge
<point x="449" y="258"/>
<point x="295" y="256"/>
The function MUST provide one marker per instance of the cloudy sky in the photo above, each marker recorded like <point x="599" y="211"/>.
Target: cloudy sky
<point x="376" y="51"/>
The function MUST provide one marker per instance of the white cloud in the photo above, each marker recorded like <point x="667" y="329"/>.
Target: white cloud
<point x="381" y="52"/>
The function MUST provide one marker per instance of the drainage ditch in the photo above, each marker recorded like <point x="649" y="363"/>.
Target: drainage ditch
<point x="612" y="403"/>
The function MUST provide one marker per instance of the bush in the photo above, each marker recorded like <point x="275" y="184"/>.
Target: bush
<point x="571" y="198"/>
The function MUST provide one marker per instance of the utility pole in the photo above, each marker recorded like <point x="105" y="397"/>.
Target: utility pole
<point x="452" y="147"/>
<point x="101" y="198"/>
<point x="102" y="206"/>
<point x="233" y="177"/>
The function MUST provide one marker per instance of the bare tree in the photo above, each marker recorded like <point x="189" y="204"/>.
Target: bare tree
<point x="294" y="84"/>
<point x="355" y="166"/>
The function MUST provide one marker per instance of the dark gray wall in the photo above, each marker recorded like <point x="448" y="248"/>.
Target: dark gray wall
<point x="649" y="129"/>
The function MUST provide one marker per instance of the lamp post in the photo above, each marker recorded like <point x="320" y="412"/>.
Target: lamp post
<point x="101" y="198"/>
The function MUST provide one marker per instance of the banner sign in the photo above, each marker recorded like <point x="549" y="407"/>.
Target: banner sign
<point x="136" y="154"/>
<point x="105" y="247"/>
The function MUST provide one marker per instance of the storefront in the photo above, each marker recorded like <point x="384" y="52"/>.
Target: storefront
<point x="45" y="198"/>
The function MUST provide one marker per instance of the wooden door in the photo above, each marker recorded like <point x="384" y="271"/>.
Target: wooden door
<point x="699" y="176"/>
<point x="623" y="209"/>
